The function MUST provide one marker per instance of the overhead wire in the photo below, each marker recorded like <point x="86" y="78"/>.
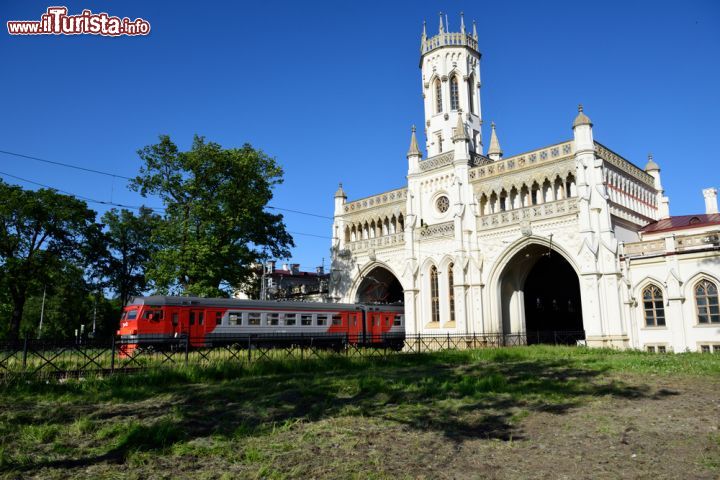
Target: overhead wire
<point x="114" y="175"/>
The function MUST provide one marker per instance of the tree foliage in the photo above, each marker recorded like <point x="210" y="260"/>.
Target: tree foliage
<point x="215" y="223"/>
<point x="131" y="245"/>
<point x="41" y="232"/>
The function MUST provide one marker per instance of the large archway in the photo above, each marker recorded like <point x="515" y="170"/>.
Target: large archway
<point x="379" y="285"/>
<point x="540" y="297"/>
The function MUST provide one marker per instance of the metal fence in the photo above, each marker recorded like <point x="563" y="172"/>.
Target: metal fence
<point x="59" y="359"/>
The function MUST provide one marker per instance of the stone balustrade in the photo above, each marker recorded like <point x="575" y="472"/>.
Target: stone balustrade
<point x="545" y="210"/>
<point x="378" y="243"/>
<point x="681" y="243"/>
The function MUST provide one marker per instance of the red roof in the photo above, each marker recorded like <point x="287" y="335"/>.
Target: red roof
<point x="681" y="222"/>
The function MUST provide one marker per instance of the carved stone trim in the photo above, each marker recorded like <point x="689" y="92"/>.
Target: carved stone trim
<point x="437" y="161"/>
<point x="439" y="229"/>
<point x="523" y="161"/>
<point x="376" y="200"/>
<point x="624" y="165"/>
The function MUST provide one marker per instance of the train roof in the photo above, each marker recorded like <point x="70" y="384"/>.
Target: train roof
<point x="164" y="300"/>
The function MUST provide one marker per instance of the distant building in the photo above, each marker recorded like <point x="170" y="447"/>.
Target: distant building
<point x="288" y="283"/>
<point x="566" y="237"/>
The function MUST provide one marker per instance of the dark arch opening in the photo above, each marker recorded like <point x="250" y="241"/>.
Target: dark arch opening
<point x="380" y="286"/>
<point x="553" y="312"/>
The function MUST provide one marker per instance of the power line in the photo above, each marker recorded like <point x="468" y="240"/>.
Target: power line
<point x="81" y="197"/>
<point x="88" y="199"/>
<point x="67" y="165"/>
<point x="311" y="235"/>
<point x="113" y="175"/>
<point x="301" y="213"/>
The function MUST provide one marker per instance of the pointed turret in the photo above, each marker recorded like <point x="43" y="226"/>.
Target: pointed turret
<point x="462" y="22"/>
<point x="340" y="198"/>
<point x="581" y="118"/>
<point x="474" y="31"/>
<point x="424" y="34"/>
<point x="414" y="150"/>
<point x="414" y="155"/>
<point x="494" y="152"/>
<point x="442" y="27"/>
<point x="460" y="134"/>
<point x="582" y="132"/>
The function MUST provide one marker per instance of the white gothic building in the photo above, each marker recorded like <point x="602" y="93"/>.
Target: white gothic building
<point x="570" y="237"/>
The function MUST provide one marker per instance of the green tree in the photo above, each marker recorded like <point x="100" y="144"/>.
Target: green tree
<point x="39" y="232"/>
<point x="131" y="245"/>
<point x="215" y="222"/>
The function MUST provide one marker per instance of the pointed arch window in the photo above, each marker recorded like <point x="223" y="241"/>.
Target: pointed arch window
<point x="451" y="292"/>
<point x="706" y="299"/>
<point x="434" y="295"/>
<point x="438" y="97"/>
<point x="653" y="306"/>
<point x="454" y="93"/>
<point x="471" y="93"/>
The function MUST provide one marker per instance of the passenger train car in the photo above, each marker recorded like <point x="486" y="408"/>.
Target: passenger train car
<point x="154" y="321"/>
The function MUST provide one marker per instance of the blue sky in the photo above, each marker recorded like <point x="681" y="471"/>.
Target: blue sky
<point x="331" y="90"/>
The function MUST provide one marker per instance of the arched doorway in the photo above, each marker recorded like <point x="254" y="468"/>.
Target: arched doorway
<point x="553" y="312"/>
<point x="540" y="297"/>
<point x="379" y="285"/>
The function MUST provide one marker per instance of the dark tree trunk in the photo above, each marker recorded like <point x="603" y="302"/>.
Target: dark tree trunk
<point x="16" y="317"/>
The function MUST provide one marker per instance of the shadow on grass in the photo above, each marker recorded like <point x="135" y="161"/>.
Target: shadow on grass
<point x="460" y="399"/>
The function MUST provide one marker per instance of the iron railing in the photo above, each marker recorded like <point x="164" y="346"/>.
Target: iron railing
<point x="31" y="358"/>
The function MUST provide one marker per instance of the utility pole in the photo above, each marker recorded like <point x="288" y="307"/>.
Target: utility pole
<point x="42" y="312"/>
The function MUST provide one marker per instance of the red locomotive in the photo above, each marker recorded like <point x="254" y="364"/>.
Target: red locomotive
<point x="156" y="321"/>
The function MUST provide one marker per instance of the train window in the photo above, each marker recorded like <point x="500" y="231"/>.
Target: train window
<point x="337" y="320"/>
<point x="254" y="318"/>
<point x="355" y="320"/>
<point x="175" y="318"/>
<point x="201" y="318"/>
<point x="290" y="318"/>
<point x="322" y="319"/>
<point x="235" y="318"/>
<point x="273" y="319"/>
<point x="398" y="320"/>
<point x="218" y="318"/>
<point x="377" y="321"/>
<point x="305" y="319"/>
<point x="132" y="315"/>
<point x="387" y="321"/>
<point x="192" y="318"/>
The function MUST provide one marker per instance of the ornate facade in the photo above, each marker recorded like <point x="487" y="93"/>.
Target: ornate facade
<point x="567" y="237"/>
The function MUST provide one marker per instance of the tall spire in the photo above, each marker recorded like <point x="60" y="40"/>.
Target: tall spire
<point x="442" y="28"/>
<point x="424" y="34"/>
<point x="462" y="22"/>
<point x="474" y="31"/>
<point x="413" y="151"/>
<point x="494" y="152"/>
<point x="460" y="133"/>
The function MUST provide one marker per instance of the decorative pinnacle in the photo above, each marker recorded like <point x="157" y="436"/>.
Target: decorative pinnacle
<point x="340" y="192"/>
<point x="651" y="165"/>
<point x="462" y="22"/>
<point x="460" y="133"/>
<point x="474" y="31"/>
<point x="442" y="28"/>
<point x="424" y="34"/>
<point x="413" y="151"/>
<point x="581" y="118"/>
<point x="494" y="143"/>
